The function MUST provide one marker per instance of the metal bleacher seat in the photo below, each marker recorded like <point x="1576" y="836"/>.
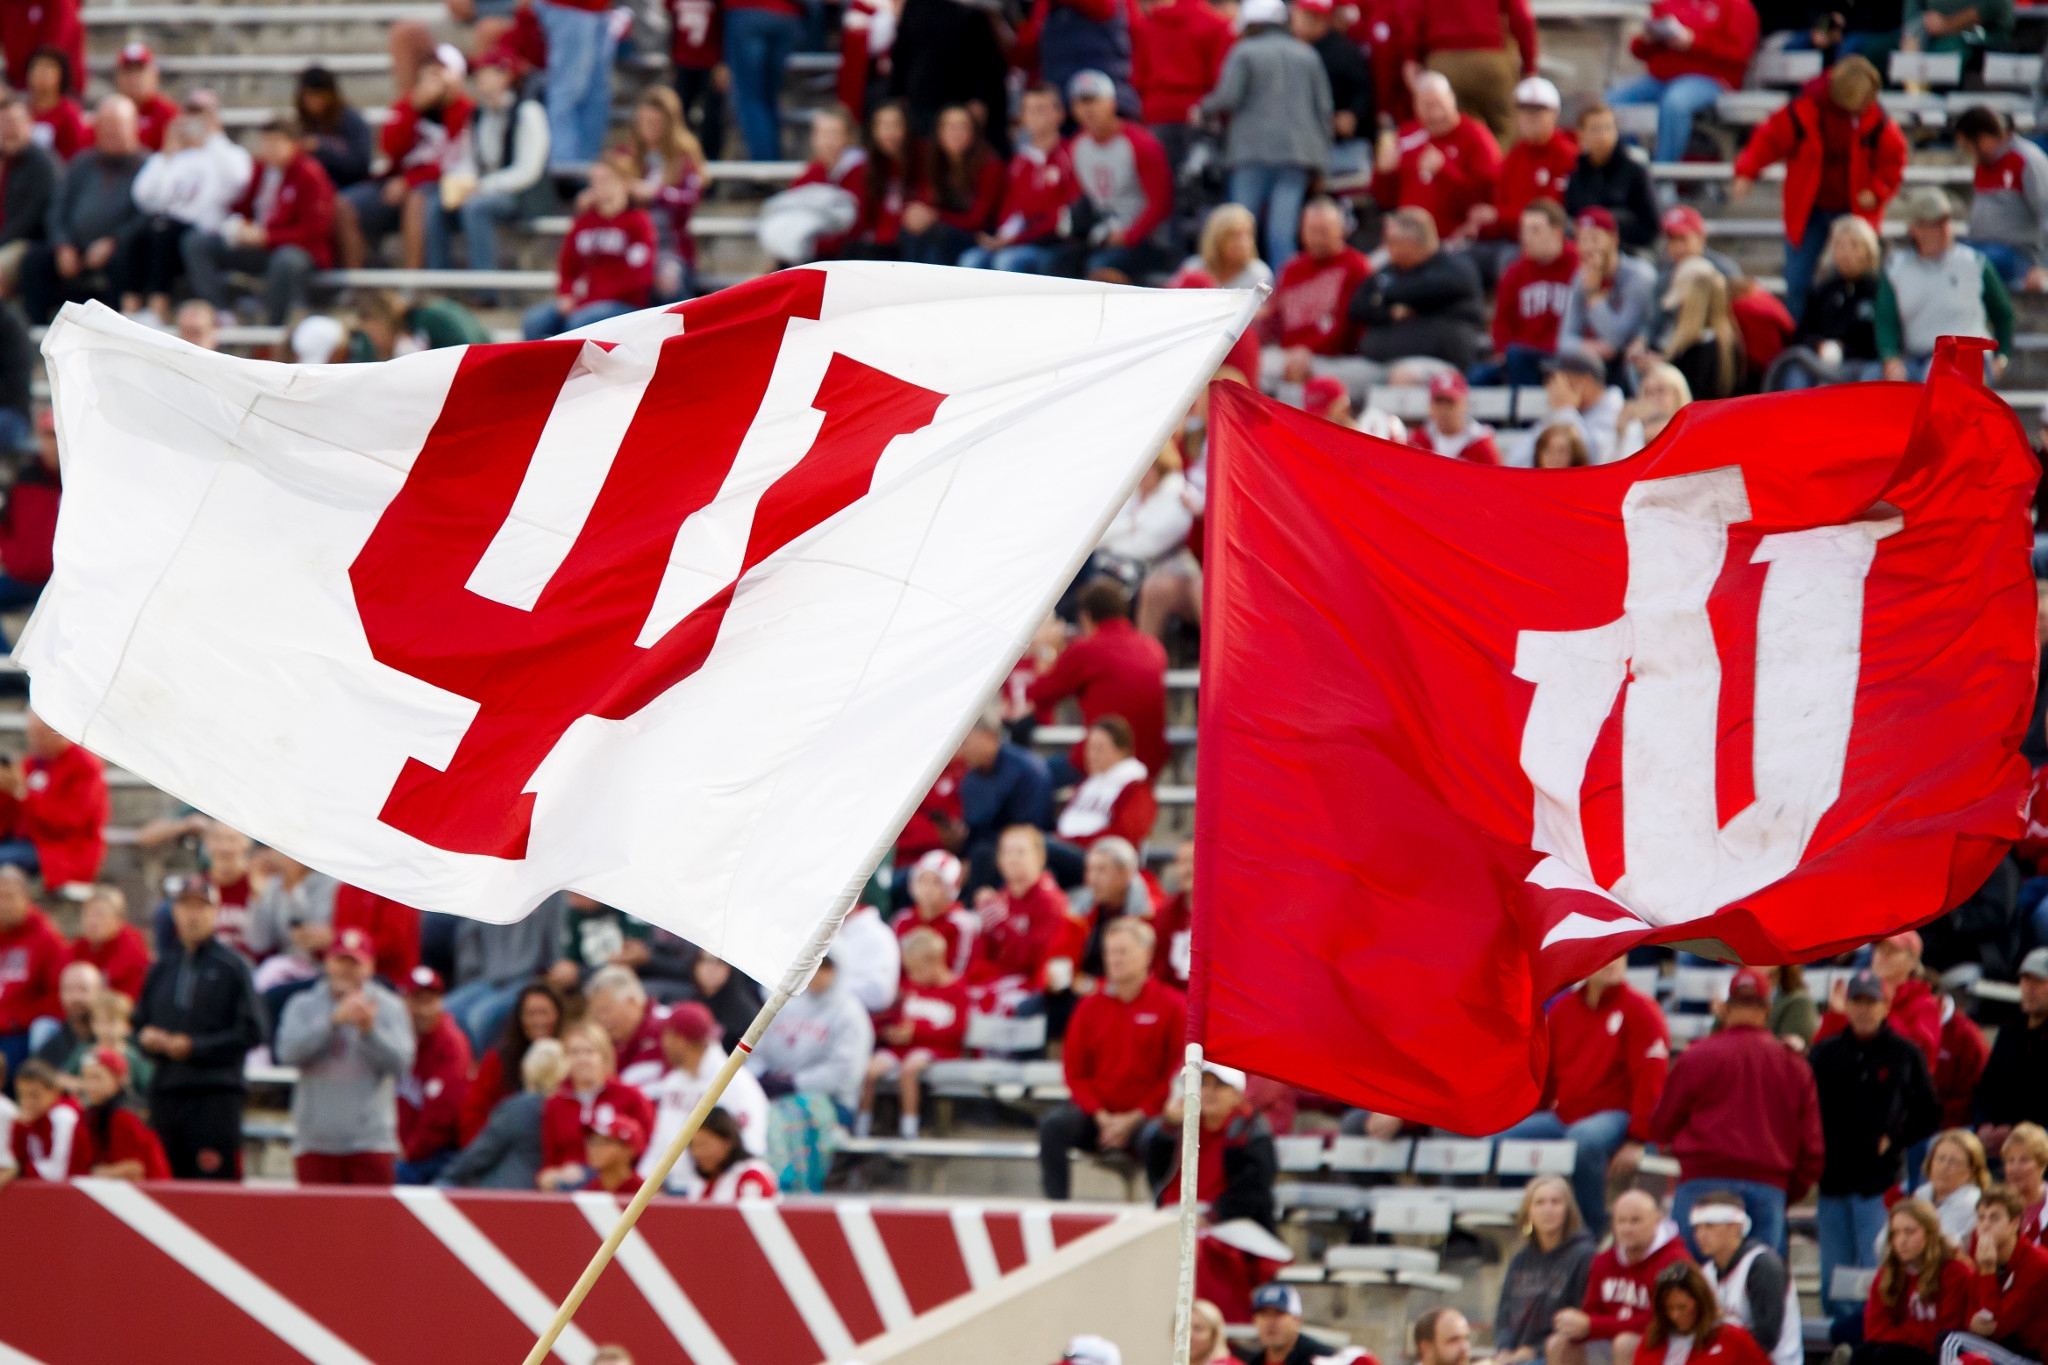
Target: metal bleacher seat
<point x="1300" y="1152"/>
<point x="1932" y="69"/>
<point x="1418" y="1213"/>
<point x="1780" y="68"/>
<point x="1371" y="1156"/>
<point x="1322" y="1201"/>
<point x="1701" y="985"/>
<point x="1521" y="1156"/>
<point x="1689" y="1028"/>
<point x="1851" y="1284"/>
<point x="1453" y="1156"/>
<point x="2011" y="71"/>
<point x="1005" y="1033"/>
<point x="1645" y="980"/>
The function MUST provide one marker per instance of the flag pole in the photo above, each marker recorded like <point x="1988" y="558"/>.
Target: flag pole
<point x="1190" y="1160"/>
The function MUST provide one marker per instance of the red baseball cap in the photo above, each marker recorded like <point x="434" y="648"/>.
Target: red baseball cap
<point x="424" y="978"/>
<point x="1683" y="218"/>
<point x="1599" y="218"/>
<point x="136" y="54"/>
<point x="693" y="1021"/>
<point x="610" y="1123"/>
<point x="1317" y="6"/>
<point x="353" y="942"/>
<point x="1322" y="392"/>
<point x="1448" y="384"/>
<point x="1749" y="984"/>
<point x="112" y="1059"/>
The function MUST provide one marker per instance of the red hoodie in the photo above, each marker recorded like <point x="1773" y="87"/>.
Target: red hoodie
<point x="123" y="960"/>
<point x="28" y="530"/>
<point x="1468" y="25"/>
<point x="1039" y="187"/>
<point x="1740" y="1105"/>
<point x="1529" y="173"/>
<point x="26" y="25"/>
<point x="63" y="812"/>
<point x="1019" y="932"/>
<point x="2016" y="1298"/>
<point x="608" y="259"/>
<point x="1723" y="40"/>
<point x="1618" y="1290"/>
<point x="1311" y="301"/>
<point x="31" y="957"/>
<point x="1468" y="175"/>
<point x="1529" y="302"/>
<point x="1123" y="1054"/>
<point x="1915" y="1016"/>
<point x="1610" y="1056"/>
<point x="416" y="144"/>
<point x="431" y="1095"/>
<point x="301" y="212"/>
<point x="1916" y="1322"/>
<point x="1177" y="53"/>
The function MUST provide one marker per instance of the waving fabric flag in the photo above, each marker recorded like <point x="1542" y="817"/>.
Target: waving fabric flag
<point x="678" y="611"/>
<point x="1469" y="733"/>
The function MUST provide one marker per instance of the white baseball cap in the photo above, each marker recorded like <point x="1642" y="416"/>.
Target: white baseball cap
<point x="1537" y="93"/>
<point x="1087" y="1349"/>
<point x="1261" y="12"/>
<point x="1229" y="1075"/>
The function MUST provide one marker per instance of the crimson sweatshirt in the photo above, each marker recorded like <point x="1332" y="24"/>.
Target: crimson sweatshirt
<point x="57" y="1140"/>
<point x="978" y="212"/>
<point x="26" y="25"/>
<point x="125" y="1138"/>
<point x="393" y="927"/>
<point x="1528" y="173"/>
<point x="31" y="957"/>
<point x="418" y="144"/>
<point x="152" y="117"/>
<point x="1916" y="1322"/>
<point x="1177" y="53"/>
<point x="1618" y="1290"/>
<point x="1740" y="1105"/>
<point x="1039" y="186"/>
<point x="1469" y="25"/>
<point x="1019" y="932"/>
<point x="302" y="212"/>
<point x="1385" y="29"/>
<point x="1123" y="1054"/>
<point x="2017" y="1297"/>
<point x="28" y="530"/>
<point x="1312" y="300"/>
<point x="1468" y="176"/>
<point x="937" y="1017"/>
<point x="1613" y="1055"/>
<point x="63" y="812"/>
<point x="564" y="1118"/>
<point x="1727" y="1344"/>
<point x="1529" y="301"/>
<point x="1724" y="36"/>
<point x="430" y="1096"/>
<point x="63" y="128"/>
<point x="123" y="960"/>
<point x="1114" y="672"/>
<point x="959" y="926"/>
<point x="1959" y="1066"/>
<point x="608" y="259"/>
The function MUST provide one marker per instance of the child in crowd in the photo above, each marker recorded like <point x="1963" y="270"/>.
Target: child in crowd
<point x="607" y="263"/>
<point x="111" y="1031"/>
<point x="48" y="1142"/>
<point x="611" y="1148"/>
<point x="928" y="1023"/>
<point x="122" y="1145"/>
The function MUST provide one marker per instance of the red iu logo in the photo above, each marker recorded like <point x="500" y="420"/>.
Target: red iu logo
<point x="533" y="672"/>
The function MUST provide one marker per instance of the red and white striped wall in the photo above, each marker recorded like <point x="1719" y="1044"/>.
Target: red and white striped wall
<point x="189" y="1274"/>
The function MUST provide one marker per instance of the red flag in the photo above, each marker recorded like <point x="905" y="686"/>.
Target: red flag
<point x="1470" y="732"/>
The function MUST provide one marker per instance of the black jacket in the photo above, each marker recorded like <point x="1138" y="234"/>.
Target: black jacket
<point x="1350" y="79"/>
<point x="1622" y="187"/>
<point x="1870" y="1091"/>
<point x="1446" y="286"/>
<point x="209" y="995"/>
<point x="30" y="184"/>
<point x="1250" y="1163"/>
<point x="947" y="53"/>
<point x="345" y="153"/>
<point x="2014" y="1087"/>
<point x="1843" y="311"/>
<point x="1538" y="1283"/>
<point x="1306" y="1351"/>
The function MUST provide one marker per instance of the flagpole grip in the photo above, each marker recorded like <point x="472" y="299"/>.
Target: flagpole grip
<point x="1190" y="1161"/>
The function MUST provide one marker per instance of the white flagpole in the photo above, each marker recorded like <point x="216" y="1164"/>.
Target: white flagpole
<point x="1190" y="1160"/>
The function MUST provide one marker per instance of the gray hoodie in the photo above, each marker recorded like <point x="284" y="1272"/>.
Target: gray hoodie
<point x="504" y="954"/>
<point x="279" y="909"/>
<point x="347" y="1096"/>
<point x="821" y="1041"/>
<point x="1277" y="94"/>
<point x="1624" y="314"/>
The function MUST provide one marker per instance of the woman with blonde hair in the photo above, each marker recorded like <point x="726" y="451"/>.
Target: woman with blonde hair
<point x="1921" y="1291"/>
<point x="1957" y="1173"/>
<point x="1228" y="251"/>
<point x="1660" y="393"/>
<point x="1703" y="344"/>
<point x="590" y="1086"/>
<point x="1548" y="1273"/>
<point x="1836" y="340"/>
<point x="505" y="1153"/>
<point x="1207" y="1343"/>
<point x="670" y="186"/>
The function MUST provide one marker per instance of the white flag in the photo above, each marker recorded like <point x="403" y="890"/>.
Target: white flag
<point x="681" y="612"/>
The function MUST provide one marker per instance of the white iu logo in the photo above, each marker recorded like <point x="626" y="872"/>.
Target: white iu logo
<point x="1682" y="862"/>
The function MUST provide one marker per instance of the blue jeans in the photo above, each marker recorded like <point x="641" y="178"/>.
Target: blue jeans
<point x="547" y="319"/>
<point x="757" y="47"/>
<point x="1275" y="193"/>
<point x="1849" y="1226"/>
<point x="1520" y="366"/>
<point x="1599" y="1136"/>
<point x="580" y="52"/>
<point x="1677" y="101"/>
<point x="1802" y="258"/>
<point x="1765" y="1205"/>
<point x="480" y="1009"/>
<point x="1026" y="259"/>
<point x="2012" y="266"/>
<point x="22" y="854"/>
<point x="479" y="217"/>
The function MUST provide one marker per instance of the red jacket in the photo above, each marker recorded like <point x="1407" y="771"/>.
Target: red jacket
<point x="63" y="128"/>
<point x="1529" y="173"/>
<point x="565" y="1117"/>
<point x="430" y="1097"/>
<point x="1123" y="1055"/>
<point x="152" y="117"/>
<point x="1959" y="1065"/>
<point x="1466" y="25"/>
<point x="608" y="259"/>
<point x="1918" y="1323"/>
<point x="485" y="1089"/>
<point x="26" y="25"/>
<point x="1613" y="1056"/>
<point x="1468" y="176"/>
<point x="1740" y="1105"/>
<point x="1177" y="53"/>
<point x="28" y="530"/>
<point x="58" y="1138"/>
<point x="123" y="960"/>
<point x="1173" y="930"/>
<point x="117" y="1133"/>
<point x="1877" y="157"/>
<point x="1529" y="301"/>
<point x="1385" y="30"/>
<point x="1019" y="932"/>
<point x="416" y="144"/>
<point x="2018" y="1298"/>
<point x="63" y="813"/>
<point x="1915" y="1016"/>
<point x="1723" y="40"/>
<point x="1618" y="1292"/>
<point x="1476" y="447"/>
<point x="31" y="957"/>
<point x="302" y="212"/>
<point x="1311" y="301"/>
<point x="393" y="927"/>
<point x="937" y="1016"/>
<point x="1115" y="672"/>
<point x="1037" y="189"/>
<point x="978" y="214"/>
<point x="958" y="926"/>
<point x="1727" y="1344"/>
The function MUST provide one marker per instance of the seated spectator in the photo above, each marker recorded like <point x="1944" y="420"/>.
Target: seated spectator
<point x="582" y="42"/>
<point x="1575" y="384"/>
<point x="595" y="936"/>
<point x="1686" y="1316"/>
<point x="1276" y="97"/>
<point x="1451" y="430"/>
<point x="28" y="29"/>
<point x="1685" y="239"/>
<point x="1127" y="185"/>
<point x="89" y="219"/>
<point x="330" y="131"/>
<point x="671" y="185"/>
<point x="887" y="182"/>
<point x="49" y="1141"/>
<point x="810" y="1064"/>
<point x="1836" y="341"/>
<point x="2014" y="1088"/>
<point x="191" y="183"/>
<point x="1113" y="888"/>
<point x="870" y="962"/>
<point x="1040" y="185"/>
<point x="1110" y="669"/>
<point x="28" y="184"/>
<point x="702" y="80"/>
<point x="108" y="942"/>
<point x="1022" y="920"/>
<point x="959" y="190"/>
<point x="1352" y="92"/>
<point x="67" y="1046"/>
<point x="351" y="1041"/>
<point x="817" y="215"/>
<point x="1276" y="1318"/>
<point x="2008" y="198"/>
<point x="1750" y="1281"/>
<point x="1956" y="26"/>
<point x="1425" y="302"/>
<point x="1843" y="156"/>
<point x="504" y="1152"/>
<point x="31" y="1006"/>
<point x="434" y="1093"/>
<point x="1696" y="51"/>
<point x="927" y="1024"/>
<point x="732" y="997"/>
<point x="1004" y="786"/>
<point x="1560" y="445"/>
<point x="1546" y="1275"/>
<point x="1703" y="342"/>
<point x="60" y="124"/>
<point x="1152" y="526"/>
<point x="1608" y="178"/>
<point x="1537" y="168"/>
<point x="388" y="326"/>
<point x="690" y="1049"/>
<point x="1611" y="303"/>
<point x="606" y="266"/>
<point x="1445" y="163"/>
<point x="1208" y="1336"/>
<point x="1957" y="1174"/>
<point x="725" y="1172"/>
<point x="1616" y="1311"/>
<point x="1306" y="325"/>
<point x="1920" y="1294"/>
<point x="112" y="1027"/>
<point x="1534" y="291"/>
<point x="1115" y="798"/>
<point x="426" y="134"/>
<point x="591" y="1088"/>
<point x="137" y="76"/>
<point x="122" y="1146"/>
<point x="1238" y="1161"/>
<point x="53" y="809"/>
<point x="495" y="967"/>
<point x="2024" y="1159"/>
<point x="2009" y="1293"/>
<point x="1939" y="288"/>
<point x="281" y="228"/>
<point x="28" y="519"/>
<point x="618" y="1003"/>
<point x="535" y="1017"/>
<point x="1660" y="393"/>
<point x="1228" y="250"/>
<point x="935" y="905"/>
<point x="1122" y="1053"/>
<point x="613" y="1145"/>
<point x="507" y="152"/>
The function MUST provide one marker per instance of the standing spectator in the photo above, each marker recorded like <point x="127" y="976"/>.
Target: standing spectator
<point x="1939" y="288"/>
<point x="66" y="1046"/>
<point x="535" y="1017"/>
<point x="759" y="36"/>
<point x="1575" y="384"/>
<point x="1124" y="174"/>
<point x="2008" y="197"/>
<point x="1842" y="154"/>
<point x="190" y="184"/>
<point x="1609" y="1054"/>
<point x="1619" y="1284"/>
<point x="26" y="29"/>
<point x="136" y="76"/>
<point x="507" y="149"/>
<point x="123" y="1147"/>
<point x="1277" y="98"/>
<point x="351" y="1042"/>
<point x="1606" y="177"/>
<point x="2008" y="1319"/>
<point x="1529" y="305"/>
<point x="434" y="1093"/>
<point x="1351" y="84"/>
<point x="948" y="54"/>
<point x="1111" y="669"/>
<point x="1957" y="1176"/>
<point x="1836" y="339"/>
<point x="672" y="168"/>
<point x="504" y="1153"/>
<point x="1451" y="430"/>
<point x="689" y="1046"/>
<point x="1077" y="36"/>
<point x="28" y="183"/>
<point x="2014" y="1088"/>
<point x="1005" y="785"/>
<point x="1276" y="1317"/>
<point x="1176" y="59"/>
<point x="958" y="192"/>
<point x="1445" y="163"/>
<point x="494" y="969"/>
<point x="281" y="228"/>
<point x="1425" y="302"/>
<point x="934" y="882"/>
<point x="1546" y="1275"/>
<point x="1914" y="1010"/>
<point x="725" y="1171"/>
<point x="107" y="941"/>
<point x="31" y="962"/>
<point x="1750" y="1280"/>
<point x="60" y="124"/>
<point x="1307" y="322"/>
<point x="49" y="1141"/>
<point x="1236" y="1162"/>
<point x="591" y="1088"/>
<point x="1039" y="189"/>
<point x="1740" y="1112"/>
<point x="1122" y="1052"/>
<point x="330" y="132"/>
<point x="702" y="80"/>
<point x="198" y="1017"/>
<point x="1696" y="51"/>
<point x="810" y="1064"/>
<point x="1920" y="1294"/>
<point x="927" y="1024"/>
<point x="53" y="809"/>
<point x="1537" y="166"/>
<point x="89" y="217"/>
<point x="1483" y="47"/>
<point x="606" y="266"/>
<point x="582" y="43"/>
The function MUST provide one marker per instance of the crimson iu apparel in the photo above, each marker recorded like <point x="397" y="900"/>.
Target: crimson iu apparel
<point x="1723" y="40"/>
<point x="2016" y="1296"/>
<point x="1116" y="671"/>
<point x="1740" y="1105"/>
<point x="608" y="259"/>
<point x="1468" y="176"/>
<point x="1618" y="1286"/>
<point x="1917" y="1322"/>
<point x="32" y="955"/>
<point x="1529" y="302"/>
<point x="1607" y="1056"/>
<point x="1122" y="1054"/>
<point x="1312" y="302"/>
<point x="63" y="811"/>
<point x="1531" y="171"/>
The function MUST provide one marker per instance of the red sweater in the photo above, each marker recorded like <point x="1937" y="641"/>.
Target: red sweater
<point x="959" y="926"/>
<point x="1529" y="173"/>
<point x="608" y="259"/>
<point x="1959" y="1066"/>
<point x="1468" y="176"/>
<point x="1727" y="1344"/>
<point x="1740" y="1105"/>
<point x="28" y="531"/>
<point x="1311" y="299"/>
<point x="1177" y="54"/>
<point x="1465" y="25"/>
<point x="1529" y="301"/>
<point x="1038" y="187"/>
<point x="1618" y="1292"/>
<point x="1918" y="1323"/>
<point x="1723" y="40"/>
<point x="1795" y="135"/>
<point x="2017" y="1298"/>
<point x="417" y="144"/>
<point x="1123" y="1055"/>
<point x="26" y="25"/>
<point x="58" y="1137"/>
<point x="1613" y="1056"/>
<point x="31" y="957"/>
<point x="123" y="960"/>
<point x="565" y="1117"/>
<point x="1022" y="933"/>
<point x="63" y="813"/>
<point x="63" y="128"/>
<point x="302" y="211"/>
<point x="393" y="927"/>
<point x="978" y="212"/>
<point x="430" y="1097"/>
<point x="937" y="1017"/>
<point x="1114" y="672"/>
<point x="126" y="1138"/>
<point x="152" y="117"/>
